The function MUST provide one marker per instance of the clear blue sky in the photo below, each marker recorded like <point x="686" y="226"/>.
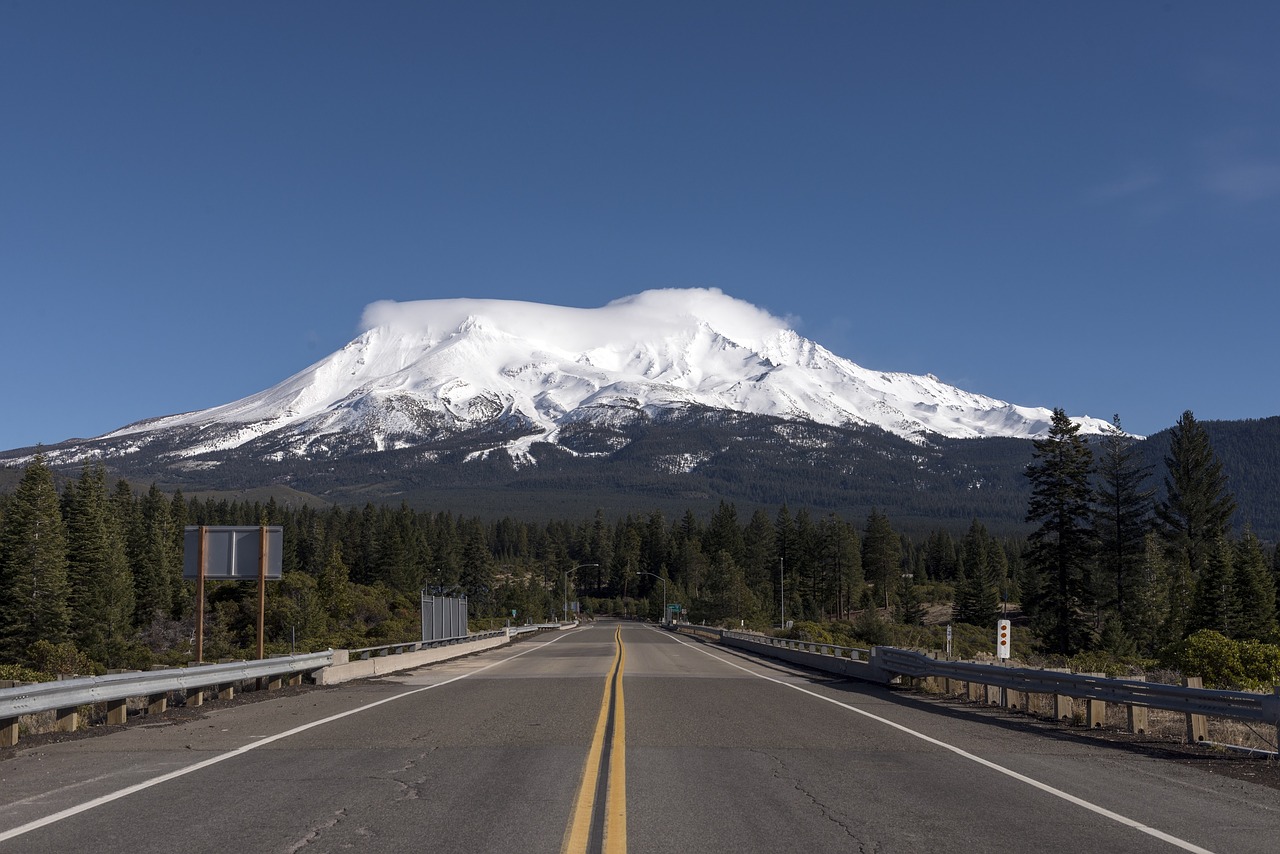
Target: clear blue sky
<point x="1070" y="204"/>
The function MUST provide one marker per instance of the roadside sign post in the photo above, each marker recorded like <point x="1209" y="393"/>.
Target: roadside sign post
<point x="227" y="552"/>
<point x="262" y="588"/>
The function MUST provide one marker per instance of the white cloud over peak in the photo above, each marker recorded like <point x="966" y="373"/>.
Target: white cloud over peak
<point x="640" y="317"/>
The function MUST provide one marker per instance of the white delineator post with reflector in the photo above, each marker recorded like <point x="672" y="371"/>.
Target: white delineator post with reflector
<point x="1002" y="639"/>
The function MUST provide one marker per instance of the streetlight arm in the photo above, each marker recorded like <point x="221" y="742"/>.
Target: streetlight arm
<point x="566" y="586"/>
<point x="663" y="579"/>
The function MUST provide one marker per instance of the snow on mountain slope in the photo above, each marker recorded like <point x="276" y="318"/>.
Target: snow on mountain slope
<point x="432" y="368"/>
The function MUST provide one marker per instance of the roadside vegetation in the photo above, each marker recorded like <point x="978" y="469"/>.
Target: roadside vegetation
<point x="1122" y="571"/>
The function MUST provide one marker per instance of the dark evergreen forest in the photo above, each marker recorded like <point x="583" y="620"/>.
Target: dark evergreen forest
<point x="90" y="564"/>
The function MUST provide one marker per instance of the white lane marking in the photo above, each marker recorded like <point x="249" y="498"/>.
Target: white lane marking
<point x="222" y="757"/>
<point x="1009" y="772"/>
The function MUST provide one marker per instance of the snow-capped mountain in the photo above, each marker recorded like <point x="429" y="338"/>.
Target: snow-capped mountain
<point x="523" y="372"/>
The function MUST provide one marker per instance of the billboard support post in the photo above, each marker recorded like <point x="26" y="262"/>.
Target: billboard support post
<point x="200" y="562"/>
<point x="228" y="552"/>
<point x="262" y="588"/>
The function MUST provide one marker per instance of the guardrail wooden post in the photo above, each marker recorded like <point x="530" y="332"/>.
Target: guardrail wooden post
<point x="117" y="712"/>
<point x="1137" y="715"/>
<point x="1095" y="714"/>
<point x="8" y="732"/>
<point x="66" y="720"/>
<point x="1197" y="725"/>
<point x="195" y="696"/>
<point x="226" y="691"/>
<point x="1063" y="706"/>
<point x="157" y="703"/>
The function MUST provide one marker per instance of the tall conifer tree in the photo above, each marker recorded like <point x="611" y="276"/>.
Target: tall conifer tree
<point x="1062" y="547"/>
<point x="1121" y="521"/>
<point x="1194" y="515"/>
<point x="1253" y="591"/>
<point x="1211" y="604"/>
<point x="33" y="566"/>
<point x="978" y="589"/>
<point x="99" y="580"/>
<point x="881" y="556"/>
<point x="155" y="563"/>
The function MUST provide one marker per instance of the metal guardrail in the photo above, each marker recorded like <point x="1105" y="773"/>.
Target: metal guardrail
<point x="70" y="693"/>
<point x="66" y="696"/>
<point x="848" y="653"/>
<point x="1241" y="705"/>
<point x="365" y="653"/>
<point x="885" y="663"/>
<point x="535" y="627"/>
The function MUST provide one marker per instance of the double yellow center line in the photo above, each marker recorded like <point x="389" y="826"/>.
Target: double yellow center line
<point x="607" y="765"/>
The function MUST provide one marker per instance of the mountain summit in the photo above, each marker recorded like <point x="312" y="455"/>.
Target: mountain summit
<point x="522" y="373"/>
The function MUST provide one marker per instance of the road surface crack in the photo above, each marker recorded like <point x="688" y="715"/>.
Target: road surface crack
<point x="317" y="830"/>
<point x="410" y="789"/>
<point x="781" y="773"/>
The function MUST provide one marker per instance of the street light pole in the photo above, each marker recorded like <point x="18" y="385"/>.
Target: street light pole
<point x="663" y="579"/>
<point x="566" y="586"/>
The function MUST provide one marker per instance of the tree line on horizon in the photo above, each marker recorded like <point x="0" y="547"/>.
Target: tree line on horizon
<point x="90" y="571"/>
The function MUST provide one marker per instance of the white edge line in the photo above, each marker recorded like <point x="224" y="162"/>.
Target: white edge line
<point x="222" y="757"/>
<point x="1009" y="772"/>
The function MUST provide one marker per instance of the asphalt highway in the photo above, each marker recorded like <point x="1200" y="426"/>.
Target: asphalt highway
<point x="612" y="738"/>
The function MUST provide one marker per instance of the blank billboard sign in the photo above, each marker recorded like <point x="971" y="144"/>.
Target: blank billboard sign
<point x="232" y="552"/>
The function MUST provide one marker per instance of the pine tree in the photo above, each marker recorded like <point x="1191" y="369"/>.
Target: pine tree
<point x="977" y="591"/>
<point x="33" y="566"/>
<point x="100" y="584"/>
<point x="333" y="590"/>
<point x="760" y="557"/>
<point x="1194" y="515"/>
<point x="723" y="532"/>
<point x="1275" y="576"/>
<point x="1211" y="607"/>
<point x="841" y="558"/>
<point x="908" y="607"/>
<point x="182" y="596"/>
<point x="155" y="563"/>
<point x="881" y="556"/>
<point x="1061" y="549"/>
<point x="1121" y="521"/>
<point x="1253" y="591"/>
<point x="788" y="551"/>
<point x="940" y="557"/>
<point x="1149" y="627"/>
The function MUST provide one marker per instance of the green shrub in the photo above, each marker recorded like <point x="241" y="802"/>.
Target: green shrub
<point x="62" y="659"/>
<point x="1260" y="664"/>
<point x="809" y="632"/>
<point x="869" y="629"/>
<point x="18" y="673"/>
<point x="1225" y="663"/>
